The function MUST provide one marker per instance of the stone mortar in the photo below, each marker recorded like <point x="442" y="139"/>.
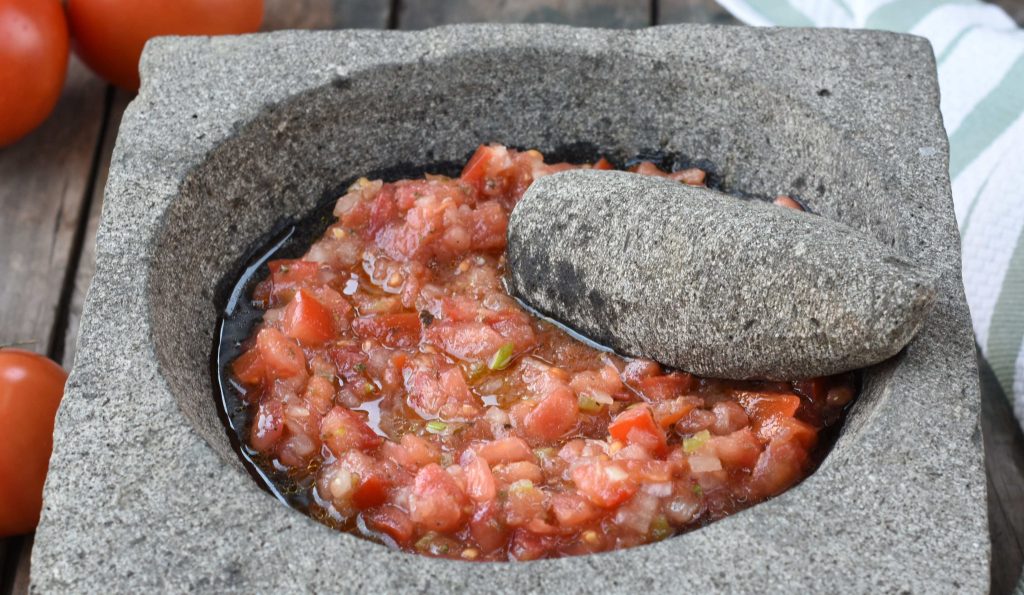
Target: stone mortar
<point x="230" y="135"/>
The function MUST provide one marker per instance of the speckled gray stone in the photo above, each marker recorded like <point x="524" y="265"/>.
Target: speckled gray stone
<point x="709" y="283"/>
<point x="230" y="135"/>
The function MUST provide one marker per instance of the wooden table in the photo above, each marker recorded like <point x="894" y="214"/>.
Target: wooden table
<point x="51" y="193"/>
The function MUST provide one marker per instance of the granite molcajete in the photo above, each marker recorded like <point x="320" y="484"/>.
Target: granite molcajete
<point x="710" y="283"/>
<point x="230" y="135"/>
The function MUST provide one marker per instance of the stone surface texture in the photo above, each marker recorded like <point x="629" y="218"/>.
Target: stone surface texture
<point x="710" y="283"/>
<point x="230" y="135"/>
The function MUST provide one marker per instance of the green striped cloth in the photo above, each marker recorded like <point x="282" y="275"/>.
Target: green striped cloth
<point x="980" y="56"/>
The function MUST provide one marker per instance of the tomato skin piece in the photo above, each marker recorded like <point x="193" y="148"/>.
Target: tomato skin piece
<point x="281" y="355"/>
<point x="637" y="426"/>
<point x="110" y="34"/>
<point x="31" y="388"/>
<point x="33" y="62"/>
<point x="307" y="320"/>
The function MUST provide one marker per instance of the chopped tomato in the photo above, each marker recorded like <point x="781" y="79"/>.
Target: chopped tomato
<point x="268" y="427"/>
<point x="343" y="430"/>
<point x="249" y="367"/>
<point x="667" y="413"/>
<point x="383" y="209"/>
<point x="767" y="408"/>
<point x="437" y="501"/>
<point x="319" y="394"/>
<point x="779" y="466"/>
<point x="470" y="341"/>
<point x="524" y="503"/>
<point x="488" y="531"/>
<point x="669" y="386"/>
<point x="281" y="355"/>
<point x="394" y="330"/>
<point x="527" y="546"/>
<point x="739" y="449"/>
<point x="637" y="426"/>
<point x="288" y="275"/>
<point x="395" y="380"/>
<point x="790" y="428"/>
<point x="504" y="450"/>
<point x="554" y="416"/>
<point x="372" y="491"/>
<point x="480" y="480"/>
<point x="392" y="521"/>
<point x="572" y="510"/>
<point x="605" y="483"/>
<point x="486" y="162"/>
<point x="815" y="389"/>
<point x="307" y="321"/>
<point x="436" y="393"/>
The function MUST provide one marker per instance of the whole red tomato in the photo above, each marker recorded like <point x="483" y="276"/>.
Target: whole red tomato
<point x="33" y="62"/>
<point x="109" y="34"/>
<point x="31" y="387"/>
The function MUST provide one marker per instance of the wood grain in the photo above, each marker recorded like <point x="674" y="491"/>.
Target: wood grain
<point x="45" y="184"/>
<point x="1004" y="463"/>
<point x="326" y="14"/>
<point x="692" y="11"/>
<point x="419" y="14"/>
<point x="86" y="265"/>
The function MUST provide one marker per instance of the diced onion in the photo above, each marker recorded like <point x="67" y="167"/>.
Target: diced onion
<point x="616" y="473"/>
<point x="704" y="463"/>
<point x="659" y="490"/>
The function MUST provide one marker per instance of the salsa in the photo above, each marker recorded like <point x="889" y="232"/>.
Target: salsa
<point x="398" y="386"/>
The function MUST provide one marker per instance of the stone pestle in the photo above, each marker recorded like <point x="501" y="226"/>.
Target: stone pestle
<point x="709" y="283"/>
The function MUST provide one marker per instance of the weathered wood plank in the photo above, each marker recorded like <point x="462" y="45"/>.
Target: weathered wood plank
<point x="44" y="181"/>
<point x="419" y="14"/>
<point x="86" y="265"/>
<point x="1004" y="462"/>
<point x="326" y="14"/>
<point x="693" y="11"/>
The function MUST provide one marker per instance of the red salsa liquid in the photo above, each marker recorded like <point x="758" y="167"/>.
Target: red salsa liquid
<point x="398" y="386"/>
